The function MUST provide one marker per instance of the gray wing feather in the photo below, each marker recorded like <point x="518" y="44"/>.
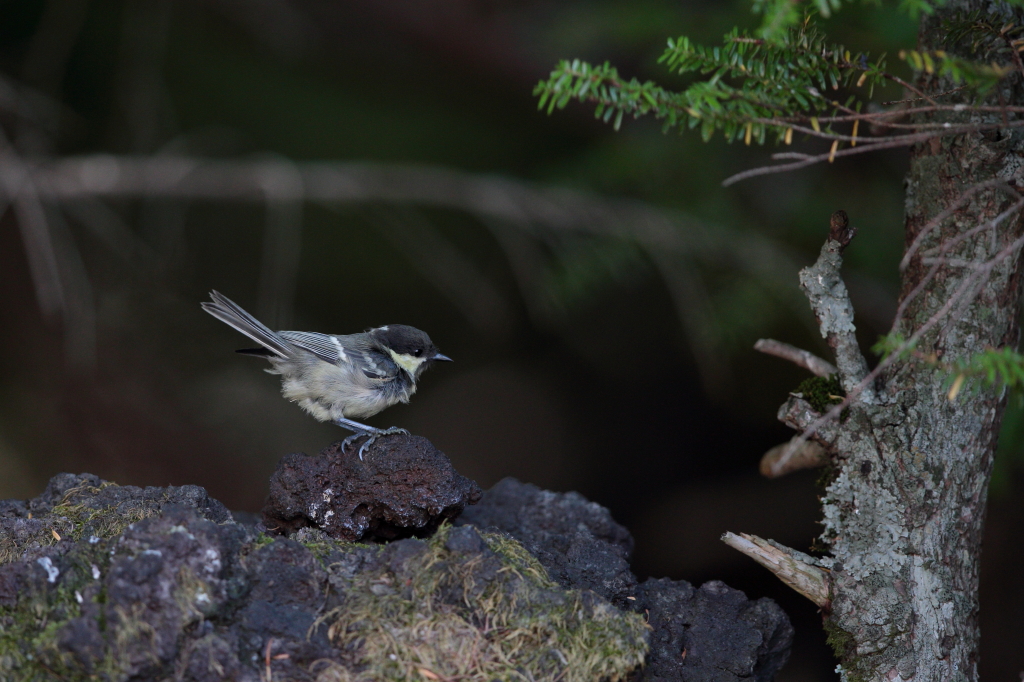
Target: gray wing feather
<point x="232" y="314"/>
<point x="341" y="350"/>
<point x="376" y="365"/>
<point x="324" y="346"/>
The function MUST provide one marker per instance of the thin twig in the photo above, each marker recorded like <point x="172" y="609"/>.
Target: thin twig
<point x="871" y="116"/>
<point x="918" y="99"/>
<point x="862" y="148"/>
<point x="988" y="225"/>
<point x="797" y="356"/>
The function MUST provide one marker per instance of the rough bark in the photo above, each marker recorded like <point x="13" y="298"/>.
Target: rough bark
<point x="904" y="510"/>
<point x="904" y="514"/>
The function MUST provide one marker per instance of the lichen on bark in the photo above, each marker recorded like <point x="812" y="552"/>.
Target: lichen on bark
<point x="903" y="515"/>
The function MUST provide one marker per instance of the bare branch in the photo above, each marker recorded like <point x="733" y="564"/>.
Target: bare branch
<point x="831" y="304"/>
<point x="516" y="212"/>
<point x="918" y="99"/>
<point x="943" y="249"/>
<point x="42" y="259"/>
<point x="865" y="145"/>
<point x="883" y="118"/>
<point x="797" y="356"/>
<point x="807" y="455"/>
<point x="796" y="569"/>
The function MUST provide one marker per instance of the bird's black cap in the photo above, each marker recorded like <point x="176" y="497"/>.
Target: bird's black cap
<point x="407" y="340"/>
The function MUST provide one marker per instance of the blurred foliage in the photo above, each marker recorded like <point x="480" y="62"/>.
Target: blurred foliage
<point x="349" y="82"/>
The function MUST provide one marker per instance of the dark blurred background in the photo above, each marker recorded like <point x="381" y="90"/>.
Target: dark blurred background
<point x="339" y="165"/>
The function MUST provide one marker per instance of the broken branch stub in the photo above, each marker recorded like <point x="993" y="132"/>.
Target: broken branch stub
<point x="831" y="304"/>
<point x="796" y="569"/>
<point x="779" y="461"/>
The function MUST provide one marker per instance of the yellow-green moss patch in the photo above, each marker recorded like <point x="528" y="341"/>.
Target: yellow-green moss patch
<point x="492" y="617"/>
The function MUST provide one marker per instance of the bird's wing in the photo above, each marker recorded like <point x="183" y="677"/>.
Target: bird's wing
<point x="375" y="364"/>
<point x="324" y="346"/>
<point x="342" y="350"/>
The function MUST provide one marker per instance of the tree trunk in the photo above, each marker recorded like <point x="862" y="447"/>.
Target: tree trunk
<point x="904" y="512"/>
<point x="910" y="457"/>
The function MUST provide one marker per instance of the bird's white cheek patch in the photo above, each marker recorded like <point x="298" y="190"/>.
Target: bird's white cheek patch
<point x="407" y="362"/>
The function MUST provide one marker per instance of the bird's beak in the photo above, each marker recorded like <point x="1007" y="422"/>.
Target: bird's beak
<point x="442" y="357"/>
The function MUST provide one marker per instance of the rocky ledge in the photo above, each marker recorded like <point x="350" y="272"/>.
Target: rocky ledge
<point x="107" y="582"/>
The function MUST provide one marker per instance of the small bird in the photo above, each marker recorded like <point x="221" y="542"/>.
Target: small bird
<point x="336" y="378"/>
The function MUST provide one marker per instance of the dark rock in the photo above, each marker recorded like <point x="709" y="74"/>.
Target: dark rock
<point x="169" y="573"/>
<point x="65" y="488"/>
<point x="288" y="588"/>
<point x="403" y="487"/>
<point x="466" y="541"/>
<point x="575" y="539"/>
<point x="118" y="582"/>
<point x="212" y="658"/>
<point x="77" y="506"/>
<point x="726" y="637"/>
<point x="81" y="638"/>
<point x="711" y="634"/>
<point x="13" y="508"/>
<point x="176" y="595"/>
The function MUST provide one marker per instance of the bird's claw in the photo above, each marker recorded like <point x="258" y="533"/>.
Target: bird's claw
<point x="371" y="438"/>
<point x="351" y="439"/>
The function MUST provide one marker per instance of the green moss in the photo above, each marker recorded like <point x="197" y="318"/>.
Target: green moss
<point x="262" y="540"/>
<point x="30" y="630"/>
<point x="78" y="519"/>
<point x="466" y="620"/>
<point x="822" y="392"/>
<point x="71" y="519"/>
<point x="829" y="473"/>
<point x="840" y="640"/>
<point x="845" y="647"/>
<point x="319" y="543"/>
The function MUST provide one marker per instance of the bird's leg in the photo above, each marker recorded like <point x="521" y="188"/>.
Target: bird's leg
<point x="359" y="430"/>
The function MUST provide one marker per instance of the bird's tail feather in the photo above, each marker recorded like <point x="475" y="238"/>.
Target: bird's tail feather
<point x="231" y="314"/>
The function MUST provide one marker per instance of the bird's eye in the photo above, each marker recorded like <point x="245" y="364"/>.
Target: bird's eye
<point x="418" y="352"/>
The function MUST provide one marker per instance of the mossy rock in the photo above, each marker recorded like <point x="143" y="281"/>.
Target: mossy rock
<point x="184" y="593"/>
